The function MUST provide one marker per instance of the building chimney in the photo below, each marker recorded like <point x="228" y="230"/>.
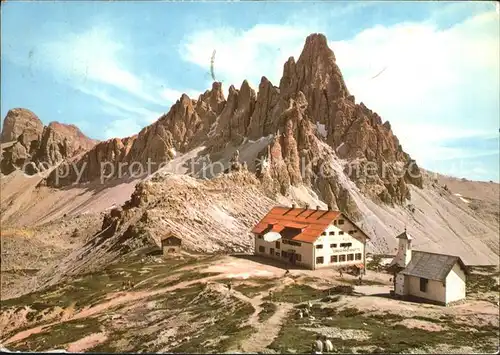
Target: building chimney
<point x="293" y="205"/>
<point x="307" y="206"/>
<point x="329" y="208"/>
<point x="317" y="207"/>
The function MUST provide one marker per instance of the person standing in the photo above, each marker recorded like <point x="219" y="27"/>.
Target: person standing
<point x="317" y="347"/>
<point x="328" y="346"/>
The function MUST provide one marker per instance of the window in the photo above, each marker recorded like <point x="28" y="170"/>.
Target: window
<point x="320" y="260"/>
<point x="333" y="245"/>
<point x="319" y="246"/>
<point x="332" y="233"/>
<point x="277" y="245"/>
<point x="334" y="259"/>
<point x="341" y="221"/>
<point x="284" y="254"/>
<point x="423" y="284"/>
<point x="298" y="257"/>
<point x="350" y="257"/>
<point x="259" y="236"/>
<point x="341" y="258"/>
<point x="345" y="245"/>
<point x="358" y="256"/>
<point x="262" y="249"/>
<point x="341" y="233"/>
<point x="271" y="251"/>
<point x="335" y="222"/>
<point x="324" y="233"/>
<point x="291" y="242"/>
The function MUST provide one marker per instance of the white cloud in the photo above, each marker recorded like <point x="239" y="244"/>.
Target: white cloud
<point x="428" y="142"/>
<point x="433" y="132"/>
<point x="446" y="80"/>
<point x="97" y="63"/>
<point x="260" y="51"/>
<point x="172" y="95"/>
<point x="121" y="128"/>
<point x="97" y="55"/>
<point x="422" y="63"/>
<point x="121" y="107"/>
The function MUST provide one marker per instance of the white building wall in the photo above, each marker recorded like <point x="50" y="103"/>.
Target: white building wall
<point x="331" y="245"/>
<point x="436" y="290"/>
<point x="455" y="284"/>
<point x="305" y="250"/>
<point x="309" y="252"/>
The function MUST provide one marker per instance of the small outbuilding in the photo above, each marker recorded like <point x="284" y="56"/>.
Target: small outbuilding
<point x="171" y="244"/>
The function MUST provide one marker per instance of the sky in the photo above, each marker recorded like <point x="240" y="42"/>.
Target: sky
<point x="114" y="67"/>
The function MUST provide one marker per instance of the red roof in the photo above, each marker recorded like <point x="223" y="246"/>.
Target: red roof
<point x="277" y="228"/>
<point x="311" y="222"/>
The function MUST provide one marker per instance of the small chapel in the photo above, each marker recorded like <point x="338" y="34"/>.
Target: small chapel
<point x="425" y="276"/>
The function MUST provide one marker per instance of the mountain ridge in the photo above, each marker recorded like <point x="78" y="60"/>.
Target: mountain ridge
<point x="312" y="102"/>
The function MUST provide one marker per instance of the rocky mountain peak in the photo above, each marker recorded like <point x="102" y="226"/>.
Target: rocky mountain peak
<point x="185" y="100"/>
<point x="214" y="97"/>
<point x="36" y="147"/>
<point x="315" y="69"/>
<point x="245" y="86"/>
<point x="317" y="45"/>
<point x="21" y="123"/>
<point x="73" y="134"/>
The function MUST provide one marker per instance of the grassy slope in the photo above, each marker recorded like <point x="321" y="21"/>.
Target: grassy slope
<point x="205" y="320"/>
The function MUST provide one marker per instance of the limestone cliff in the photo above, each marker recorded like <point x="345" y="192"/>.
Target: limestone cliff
<point x="311" y="107"/>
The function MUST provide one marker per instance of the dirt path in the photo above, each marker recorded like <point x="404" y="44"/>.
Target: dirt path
<point x="87" y="342"/>
<point x="256" y="303"/>
<point x="266" y="331"/>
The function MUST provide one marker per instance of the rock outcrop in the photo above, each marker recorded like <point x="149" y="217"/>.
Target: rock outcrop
<point x="37" y="147"/>
<point x="21" y="125"/>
